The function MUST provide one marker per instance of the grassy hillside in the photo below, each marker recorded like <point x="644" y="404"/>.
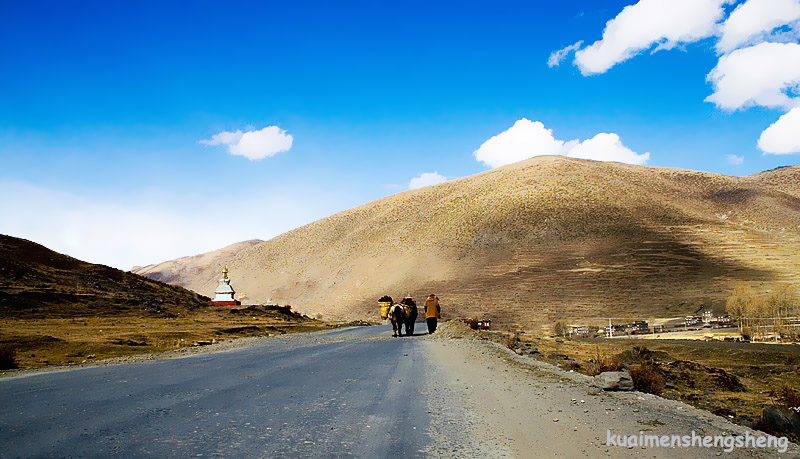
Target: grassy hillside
<point x="55" y="309"/>
<point x="38" y="282"/>
<point x="545" y="237"/>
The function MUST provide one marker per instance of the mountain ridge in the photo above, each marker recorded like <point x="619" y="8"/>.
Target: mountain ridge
<point x="545" y="237"/>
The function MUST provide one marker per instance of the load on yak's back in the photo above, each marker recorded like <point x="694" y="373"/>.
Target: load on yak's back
<point x="383" y="306"/>
<point x="399" y="314"/>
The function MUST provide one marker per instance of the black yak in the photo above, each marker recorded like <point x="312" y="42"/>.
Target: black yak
<point x="397" y="314"/>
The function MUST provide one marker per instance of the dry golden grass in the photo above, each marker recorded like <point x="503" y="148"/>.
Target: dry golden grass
<point x="543" y="238"/>
<point x="40" y="342"/>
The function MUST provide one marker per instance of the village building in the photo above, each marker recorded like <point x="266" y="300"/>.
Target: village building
<point x="224" y="294"/>
<point x="583" y="330"/>
<point x="639" y="326"/>
<point x="708" y="317"/>
<point x="693" y="321"/>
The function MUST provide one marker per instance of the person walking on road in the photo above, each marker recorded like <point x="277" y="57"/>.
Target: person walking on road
<point x="432" y="312"/>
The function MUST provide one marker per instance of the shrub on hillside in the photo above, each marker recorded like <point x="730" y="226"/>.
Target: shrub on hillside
<point x="8" y="358"/>
<point x="641" y="355"/>
<point x="600" y="362"/>
<point x="560" y="328"/>
<point x="788" y="397"/>
<point x="510" y="341"/>
<point x="647" y="377"/>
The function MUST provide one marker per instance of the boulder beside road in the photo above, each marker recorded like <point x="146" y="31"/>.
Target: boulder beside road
<point x="614" y="380"/>
<point x="781" y="420"/>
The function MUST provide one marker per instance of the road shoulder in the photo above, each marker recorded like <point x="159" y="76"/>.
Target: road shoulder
<point x="516" y="406"/>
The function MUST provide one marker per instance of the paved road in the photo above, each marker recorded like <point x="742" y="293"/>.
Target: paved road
<point x="346" y="393"/>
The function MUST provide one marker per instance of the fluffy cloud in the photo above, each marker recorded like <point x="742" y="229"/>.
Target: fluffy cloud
<point x="783" y="136"/>
<point x="426" y="179"/>
<point x="754" y="19"/>
<point x="759" y="66"/>
<point x="663" y="23"/>
<point x="757" y="75"/>
<point x="526" y="139"/>
<point x="224" y="138"/>
<point x="253" y="145"/>
<point x="607" y="147"/>
<point x="734" y="160"/>
<point x="523" y="140"/>
<point x="557" y="56"/>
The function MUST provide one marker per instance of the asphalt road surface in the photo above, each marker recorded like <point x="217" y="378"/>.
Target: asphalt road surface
<point x="355" y="393"/>
<point x="346" y="393"/>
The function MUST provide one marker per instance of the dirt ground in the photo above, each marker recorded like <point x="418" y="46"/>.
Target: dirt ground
<point x="60" y="341"/>
<point x="519" y="406"/>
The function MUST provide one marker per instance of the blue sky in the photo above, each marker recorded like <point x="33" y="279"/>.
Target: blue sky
<point x="103" y="106"/>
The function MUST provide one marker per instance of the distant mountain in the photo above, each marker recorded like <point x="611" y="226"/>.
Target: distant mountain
<point x="38" y="282"/>
<point x="176" y="271"/>
<point x="542" y="238"/>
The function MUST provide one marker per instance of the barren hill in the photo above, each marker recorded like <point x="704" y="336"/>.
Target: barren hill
<point x="180" y="270"/>
<point x="545" y="237"/>
<point x="36" y="282"/>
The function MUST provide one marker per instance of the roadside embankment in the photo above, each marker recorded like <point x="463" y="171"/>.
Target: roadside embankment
<point x="523" y="407"/>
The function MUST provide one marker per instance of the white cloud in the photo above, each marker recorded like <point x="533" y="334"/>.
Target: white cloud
<point x="760" y="65"/>
<point x="734" y="160"/>
<point x="783" y="136"/>
<point x="426" y="179"/>
<point x="753" y="20"/>
<point x="664" y="23"/>
<point x="757" y="75"/>
<point x="557" y="56"/>
<point x="526" y="139"/>
<point x="607" y="147"/>
<point x="224" y="138"/>
<point x="253" y="145"/>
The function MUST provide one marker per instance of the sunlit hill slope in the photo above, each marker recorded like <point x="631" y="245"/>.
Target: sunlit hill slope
<point x="542" y="238"/>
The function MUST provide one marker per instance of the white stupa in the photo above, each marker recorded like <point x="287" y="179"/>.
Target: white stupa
<point x="223" y="295"/>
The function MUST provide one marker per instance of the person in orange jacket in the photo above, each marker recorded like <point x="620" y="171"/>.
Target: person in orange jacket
<point x="432" y="312"/>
